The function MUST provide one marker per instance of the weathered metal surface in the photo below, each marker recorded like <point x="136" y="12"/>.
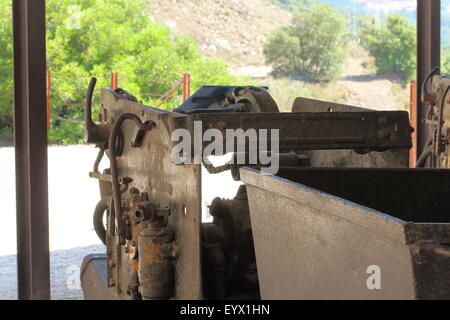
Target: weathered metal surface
<point x="228" y="99"/>
<point x="348" y="158"/>
<point x="313" y="105"/>
<point x="156" y="270"/>
<point x="428" y="57"/>
<point x="30" y="128"/>
<point x="315" y="131"/>
<point x="258" y="98"/>
<point x="176" y="187"/>
<point x="93" y="133"/>
<point x="93" y="278"/>
<point x="351" y="159"/>
<point x="142" y="173"/>
<point x="317" y="231"/>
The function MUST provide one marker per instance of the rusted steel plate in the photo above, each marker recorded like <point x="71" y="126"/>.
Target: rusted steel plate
<point x="316" y="131"/>
<point x="312" y="105"/>
<point x="175" y="187"/>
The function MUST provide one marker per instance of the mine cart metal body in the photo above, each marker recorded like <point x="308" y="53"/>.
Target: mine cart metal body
<point x="329" y="229"/>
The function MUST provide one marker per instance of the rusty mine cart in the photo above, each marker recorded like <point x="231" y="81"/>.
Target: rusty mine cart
<point x="343" y="201"/>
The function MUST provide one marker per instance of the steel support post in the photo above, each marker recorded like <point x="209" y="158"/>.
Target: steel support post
<point x="428" y="57"/>
<point x="30" y="126"/>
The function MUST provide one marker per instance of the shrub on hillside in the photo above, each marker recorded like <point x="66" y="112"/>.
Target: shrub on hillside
<point x="313" y="47"/>
<point x="445" y="61"/>
<point x="392" y="43"/>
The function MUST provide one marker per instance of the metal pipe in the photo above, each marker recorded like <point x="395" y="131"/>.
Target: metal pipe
<point x="424" y="157"/>
<point x="422" y="160"/>
<point x="30" y="128"/>
<point x="99" y="213"/>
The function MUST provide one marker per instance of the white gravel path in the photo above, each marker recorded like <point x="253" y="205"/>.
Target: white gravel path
<point x="72" y="198"/>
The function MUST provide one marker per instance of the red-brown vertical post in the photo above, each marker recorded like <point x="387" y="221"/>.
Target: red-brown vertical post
<point x="186" y="86"/>
<point x="30" y="138"/>
<point x="413" y="120"/>
<point x="114" y="80"/>
<point x="428" y="57"/>
<point x="48" y="90"/>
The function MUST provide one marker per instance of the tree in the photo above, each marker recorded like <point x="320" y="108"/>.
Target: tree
<point x="6" y="74"/>
<point x="445" y="61"/>
<point x="314" y="46"/>
<point x="292" y="5"/>
<point x="392" y="43"/>
<point x="94" y="38"/>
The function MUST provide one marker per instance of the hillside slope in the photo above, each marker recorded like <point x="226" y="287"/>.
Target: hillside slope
<point x="233" y="30"/>
<point x="236" y="31"/>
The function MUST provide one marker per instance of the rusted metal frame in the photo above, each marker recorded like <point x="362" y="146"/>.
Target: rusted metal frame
<point x="312" y="105"/>
<point x="184" y="204"/>
<point x="428" y="57"/>
<point x="315" y="131"/>
<point x="30" y="122"/>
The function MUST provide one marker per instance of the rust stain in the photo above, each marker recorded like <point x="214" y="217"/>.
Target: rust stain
<point x="155" y="253"/>
<point x="135" y="264"/>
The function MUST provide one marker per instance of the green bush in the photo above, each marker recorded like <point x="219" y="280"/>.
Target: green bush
<point x="88" y="38"/>
<point x="6" y="71"/>
<point x="291" y="5"/>
<point x="445" y="61"/>
<point x="392" y="43"/>
<point x="314" y="46"/>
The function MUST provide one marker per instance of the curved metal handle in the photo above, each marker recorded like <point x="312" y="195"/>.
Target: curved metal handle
<point x="426" y="96"/>
<point x="94" y="133"/>
<point x="88" y="107"/>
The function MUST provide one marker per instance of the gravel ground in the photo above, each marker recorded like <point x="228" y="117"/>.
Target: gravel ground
<point x="72" y="198"/>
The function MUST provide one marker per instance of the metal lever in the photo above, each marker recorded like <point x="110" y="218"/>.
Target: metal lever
<point x="94" y="133"/>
